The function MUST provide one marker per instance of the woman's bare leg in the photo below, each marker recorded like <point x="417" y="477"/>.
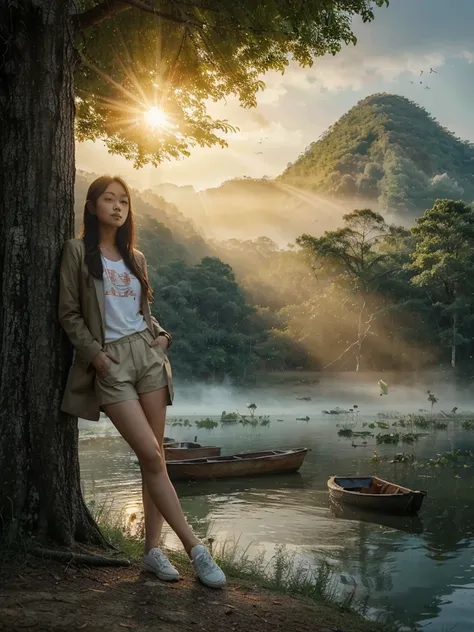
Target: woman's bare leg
<point x="154" y="407"/>
<point x="130" y="420"/>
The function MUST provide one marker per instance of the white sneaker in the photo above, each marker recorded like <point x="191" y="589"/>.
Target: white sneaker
<point x="156" y="562"/>
<point x="206" y="569"/>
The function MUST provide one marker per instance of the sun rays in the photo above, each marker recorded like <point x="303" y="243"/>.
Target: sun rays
<point x="155" y="117"/>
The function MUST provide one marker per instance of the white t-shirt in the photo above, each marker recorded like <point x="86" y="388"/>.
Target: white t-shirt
<point x="122" y="294"/>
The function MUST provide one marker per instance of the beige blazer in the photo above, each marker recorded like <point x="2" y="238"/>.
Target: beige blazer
<point x="82" y="315"/>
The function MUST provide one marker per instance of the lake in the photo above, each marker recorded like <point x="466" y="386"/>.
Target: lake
<point x="419" y="571"/>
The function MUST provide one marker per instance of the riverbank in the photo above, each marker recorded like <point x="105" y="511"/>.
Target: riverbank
<point x="47" y="595"/>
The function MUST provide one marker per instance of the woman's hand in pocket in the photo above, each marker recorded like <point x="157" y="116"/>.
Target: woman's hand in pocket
<point x="101" y="364"/>
<point x="161" y="341"/>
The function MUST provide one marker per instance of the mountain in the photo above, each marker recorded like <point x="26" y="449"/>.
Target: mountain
<point x="386" y="153"/>
<point x="389" y="152"/>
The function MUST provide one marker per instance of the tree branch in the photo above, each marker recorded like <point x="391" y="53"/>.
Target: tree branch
<point x="100" y="13"/>
<point x="109" y="8"/>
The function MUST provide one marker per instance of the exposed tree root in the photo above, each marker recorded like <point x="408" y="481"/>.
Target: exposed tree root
<point x="82" y="559"/>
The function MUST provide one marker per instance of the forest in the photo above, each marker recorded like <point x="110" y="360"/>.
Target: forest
<point x="368" y="295"/>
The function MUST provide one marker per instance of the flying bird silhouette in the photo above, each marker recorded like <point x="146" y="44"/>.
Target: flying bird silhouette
<point x="421" y="72"/>
<point x="427" y="88"/>
<point x="433" y="71"/>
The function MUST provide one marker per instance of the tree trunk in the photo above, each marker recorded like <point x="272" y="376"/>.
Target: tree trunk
<point x="453" y="342"/>
<point x="40" y="491"/>
<point x="360" y="338"/>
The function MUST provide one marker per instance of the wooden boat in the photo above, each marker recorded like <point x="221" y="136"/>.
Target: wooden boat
<point x="375" y="494"/>
<point x="245" y="464"/>
<point x="188" y="450"/>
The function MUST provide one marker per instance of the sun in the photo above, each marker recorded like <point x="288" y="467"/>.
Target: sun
<point x="155" y="117"/>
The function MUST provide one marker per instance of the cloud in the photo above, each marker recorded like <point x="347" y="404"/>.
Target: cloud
<point x="351" y="70"/>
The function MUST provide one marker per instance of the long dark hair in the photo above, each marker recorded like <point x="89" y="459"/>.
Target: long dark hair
<point x="124" y="240"/>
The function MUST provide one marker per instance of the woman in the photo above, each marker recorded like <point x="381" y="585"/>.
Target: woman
<point x="120" y="363"/>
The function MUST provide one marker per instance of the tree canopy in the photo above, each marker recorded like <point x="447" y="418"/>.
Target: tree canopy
<point x="179" y="55"/>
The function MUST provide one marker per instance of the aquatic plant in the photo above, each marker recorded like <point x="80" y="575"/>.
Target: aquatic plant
<point x="468" y="424"/>
<point x="403" y="457"/>
<point x="451" y="458"/>
<point x="207" y="423"/>
<point x="265" y="421"/>
<point x="432" y="399"/>
<point x="409" y="437"/>
<point x="420" y="421"/>
<point x="345" y="432"/>
<point x="382" y="425"/>
<point x="391" y="414"/>
<point x="302" y="418"/>
<point x="246" y="421"/>
<point x="229" y="417"/>
<point x="391" y="437"/>
<point x="252" y="408"/>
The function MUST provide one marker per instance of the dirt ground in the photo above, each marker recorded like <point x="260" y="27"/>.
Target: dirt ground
<point x="42" y="596"/>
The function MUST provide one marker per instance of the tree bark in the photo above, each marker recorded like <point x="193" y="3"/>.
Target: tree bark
<point x="40" y="491"/>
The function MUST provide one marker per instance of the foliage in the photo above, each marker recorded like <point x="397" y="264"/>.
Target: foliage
<point x="388" y="438"/>
<point x="403" y="457"/>
<point x="383" y="425"/>
<point x="442" y="261"/>
<point x="390" y="151"/>
<point x="432" y="399"/>
<point x="181" y="56"/>
<point x="451" y="458"/>
<point x="208" y="424"/>
<point x="359" y="258"/>
<point x="229" y="417"/>
<point x="410" y="437"/>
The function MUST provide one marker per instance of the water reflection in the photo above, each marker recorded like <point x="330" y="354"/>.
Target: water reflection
<point x="408" y="524"/>
<point x="419" y="570"/>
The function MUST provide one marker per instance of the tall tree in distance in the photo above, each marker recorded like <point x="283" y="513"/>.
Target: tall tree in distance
<point x="353" y="255"/>
<point x="443" y="261"/>
<point x="136" y="74"/>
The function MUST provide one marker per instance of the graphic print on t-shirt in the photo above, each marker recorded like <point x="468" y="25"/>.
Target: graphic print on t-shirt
<point x="119" y="284"/>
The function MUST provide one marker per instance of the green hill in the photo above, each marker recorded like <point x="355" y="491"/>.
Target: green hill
<point x="387" y="150"/>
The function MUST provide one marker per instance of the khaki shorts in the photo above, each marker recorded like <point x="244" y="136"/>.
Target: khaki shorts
<point x="136" y="367"/>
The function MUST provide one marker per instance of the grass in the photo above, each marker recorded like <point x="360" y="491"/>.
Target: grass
<point x="285" y="573"/>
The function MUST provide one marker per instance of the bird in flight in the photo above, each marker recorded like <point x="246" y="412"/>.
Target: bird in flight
<point x="427" y="88"/>
<point x="259" y="152"/>
<point x="421" y="72"/>
<point x="433" y="71"/>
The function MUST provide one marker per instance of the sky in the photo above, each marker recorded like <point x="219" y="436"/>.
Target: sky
<point x="297" y="107"/>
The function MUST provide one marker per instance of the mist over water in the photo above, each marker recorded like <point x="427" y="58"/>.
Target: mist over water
<point x="407" y="394"/>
